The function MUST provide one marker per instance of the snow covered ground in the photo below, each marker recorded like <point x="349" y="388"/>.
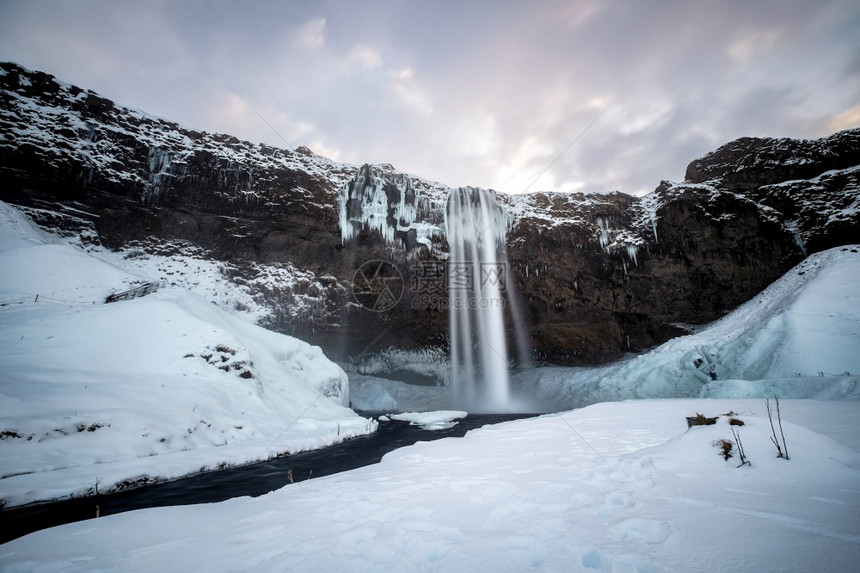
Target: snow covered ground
<point x="619" y="486"/>
<point x="105" y="396"/>
<point x="169" y="384"/>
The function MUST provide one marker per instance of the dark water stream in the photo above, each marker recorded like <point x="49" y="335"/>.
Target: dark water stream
<point x="250" y="480"/>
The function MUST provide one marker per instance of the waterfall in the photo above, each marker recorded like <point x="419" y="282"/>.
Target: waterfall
<point x="479" y="293"/>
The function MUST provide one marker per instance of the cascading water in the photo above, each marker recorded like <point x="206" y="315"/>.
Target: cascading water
<point x="479" y="293"/>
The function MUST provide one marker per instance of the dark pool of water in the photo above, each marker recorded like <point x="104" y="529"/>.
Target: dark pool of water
<point x="250" y="480"/>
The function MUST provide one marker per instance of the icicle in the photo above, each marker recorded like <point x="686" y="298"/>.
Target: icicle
<point x="650" y="205"/>
<point x="798" y="240"/>
<point x="603" y="235"/>
<point x="632" y="251"/>
<point x="158" y="162"/>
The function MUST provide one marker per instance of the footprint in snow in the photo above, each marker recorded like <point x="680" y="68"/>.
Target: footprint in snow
<point x="591" y="558"/>
<point x="647" y="530"/>
<point x="529" y="549"/>
<point x="613" y="501"/>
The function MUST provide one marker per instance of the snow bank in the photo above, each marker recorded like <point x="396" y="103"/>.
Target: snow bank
<point x="438" y="420"/>
<point x="621" y="486"/>
<point x="105" y="396"/>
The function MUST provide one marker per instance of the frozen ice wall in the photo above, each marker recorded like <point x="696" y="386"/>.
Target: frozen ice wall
<point x="388" y="204"/>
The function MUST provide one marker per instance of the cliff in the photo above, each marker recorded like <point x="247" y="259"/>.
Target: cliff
<point x="598" y="275"/>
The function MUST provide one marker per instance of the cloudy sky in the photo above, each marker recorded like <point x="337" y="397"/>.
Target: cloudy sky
<point x="514" y="95"/>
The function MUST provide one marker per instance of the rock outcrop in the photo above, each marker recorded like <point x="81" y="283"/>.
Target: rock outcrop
<point x="598" y="275"/>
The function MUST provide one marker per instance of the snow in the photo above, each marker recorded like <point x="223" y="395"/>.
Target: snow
<point x="437" y="420"/>
<point x="237" y="290"/>
<point x="621" y="486"/>
<point x="242" y="288"/>
<point x="798" y="338"/>
<point x="103" y="396"/>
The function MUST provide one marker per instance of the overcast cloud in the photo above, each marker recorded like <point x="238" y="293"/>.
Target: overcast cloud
<point x="467" y="93"/>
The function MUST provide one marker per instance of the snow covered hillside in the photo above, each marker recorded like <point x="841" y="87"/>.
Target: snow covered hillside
<point x="799" y="338"/>
<point x="612" y="487"/>
<point x="99" y="397"/>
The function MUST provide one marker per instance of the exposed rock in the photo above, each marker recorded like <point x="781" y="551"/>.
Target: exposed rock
<point x="751" y="162"/>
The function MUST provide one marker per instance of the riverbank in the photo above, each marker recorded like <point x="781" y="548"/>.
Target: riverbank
<point x="248" y="480"/>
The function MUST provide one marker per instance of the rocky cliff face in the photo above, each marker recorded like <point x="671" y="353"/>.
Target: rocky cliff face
<point x="598" y="275"/>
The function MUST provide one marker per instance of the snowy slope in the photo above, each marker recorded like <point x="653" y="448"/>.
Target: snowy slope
<point x="799" y="338"/>
<point x="238" y="290"/>
<point x="609" y="488"/>
<point x="106" y="396"/>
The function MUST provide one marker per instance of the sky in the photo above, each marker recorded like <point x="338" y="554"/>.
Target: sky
<point x="547" y="95"/>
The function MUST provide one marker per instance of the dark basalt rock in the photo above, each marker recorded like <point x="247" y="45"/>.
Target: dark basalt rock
<point x="598" y="275"/>
<point x="749" y="163"/>
<point x="712" y="251"/>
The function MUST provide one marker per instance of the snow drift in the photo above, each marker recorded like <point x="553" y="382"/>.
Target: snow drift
<point x="611" y="487"/>
<point x="798" y="338"/>
<point x="97" y="397"/>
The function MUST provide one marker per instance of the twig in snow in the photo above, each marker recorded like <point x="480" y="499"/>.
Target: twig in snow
<point x="741" y="453"/>
<point x="781" y="433"/>
<point x="782" y="450"/>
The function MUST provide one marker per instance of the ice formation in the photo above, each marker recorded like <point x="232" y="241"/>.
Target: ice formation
<point x="386" y="204"/>
<point x="649" y="204"/>
<point x="603" y="235"/>
<point x="632" y="251"/>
